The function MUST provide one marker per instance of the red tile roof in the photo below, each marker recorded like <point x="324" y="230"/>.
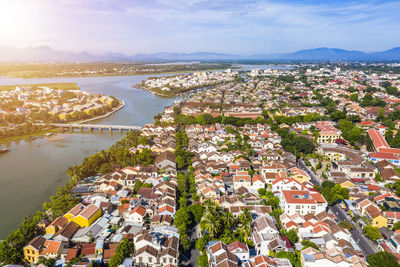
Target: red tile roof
<point x="51" y="247"/>
<point x="139" y="210"/>
<point x="384" y="155"/>
<point x="377" y="139"/>
<point x="302" y="197"/>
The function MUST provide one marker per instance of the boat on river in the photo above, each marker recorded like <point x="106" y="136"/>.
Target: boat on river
<point x="3" y="150"/>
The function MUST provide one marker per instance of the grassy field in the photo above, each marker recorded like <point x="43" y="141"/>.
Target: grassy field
<point x="61" y="86"/>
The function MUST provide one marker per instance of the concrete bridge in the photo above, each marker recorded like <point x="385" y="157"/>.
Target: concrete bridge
<point x="98" y="127"/>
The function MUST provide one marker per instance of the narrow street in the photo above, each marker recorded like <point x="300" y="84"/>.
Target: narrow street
<point x="194" y="253"/>
<point x="366" y="245"/>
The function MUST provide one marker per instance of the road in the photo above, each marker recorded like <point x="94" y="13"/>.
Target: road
<point x="366" y="245"/>
<point x="194" y="253"/>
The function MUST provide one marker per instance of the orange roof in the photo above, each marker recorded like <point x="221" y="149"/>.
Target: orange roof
<point x="290" y="224"/>
<point x="302" y="197"/>
<point x="390" y="150"/>
<point x="307" y="224"/>
<point x="166" y="208"/>
<point x="318" y="197"/>
<point x="139" y="210"/>
<point x="377" y="139"/>
<point x="257" y="178"/>
<point x="51" y="247"/>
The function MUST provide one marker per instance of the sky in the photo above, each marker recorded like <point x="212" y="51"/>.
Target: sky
<point x="244" y="27"/>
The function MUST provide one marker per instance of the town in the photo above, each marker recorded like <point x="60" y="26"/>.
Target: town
<point x="173" y="85"/>
<point x="278" y="167"/>
<point x="23" y="106"/>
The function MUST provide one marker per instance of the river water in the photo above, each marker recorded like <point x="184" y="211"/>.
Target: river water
<point x="33" y="170"/>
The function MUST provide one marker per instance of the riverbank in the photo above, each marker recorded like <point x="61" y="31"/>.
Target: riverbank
<point x="111" y="74"/>
<point x="29" y="135"/>
<point x="60" y="86"/>
<point x="103" y="116"/>
<point x="56" y="130"/>
<point x="45" y="160"/>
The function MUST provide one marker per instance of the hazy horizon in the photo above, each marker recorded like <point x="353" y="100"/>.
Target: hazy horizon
<point x="232" y="27"/>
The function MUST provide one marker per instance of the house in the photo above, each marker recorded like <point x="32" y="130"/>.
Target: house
<point x="218" y="255"/>
<point x="264" y="232"/>
<point x="66" y="233"/>
<point x="56" y="225"/>
<point x="265" y="261"/>
<point x="51" y="249"/>
<point x="257" y="182"/>
<point x="136" y="215"/>
<point x="33" y="248"/>
<point x="311" y="257"/>
<point x="241" y="179"/>
<point x="165" y="159"/>
<point x="377" y="219"/>
<point x="299" y="175"/>
<point x="147" y="255"/>
<point x="392" y="217"/>
<point x="240" y="250"/>
<point x="83" y="216"/>
<point x="302" y="202"/>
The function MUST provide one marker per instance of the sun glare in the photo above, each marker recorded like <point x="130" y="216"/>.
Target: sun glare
<point x="15" y="18"/>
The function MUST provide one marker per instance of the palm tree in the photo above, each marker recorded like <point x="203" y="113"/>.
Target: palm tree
<point x="212" y="224"/>
<point x="228" y="219"/>
<point x="246" y="221"/>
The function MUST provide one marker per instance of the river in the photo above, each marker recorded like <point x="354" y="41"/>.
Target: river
<point x="33" y="170"/>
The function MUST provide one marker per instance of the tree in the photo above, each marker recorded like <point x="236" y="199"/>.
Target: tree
<point x="212" y="225"/>
<point x="124" y="250"/>
<point x="372" y="232"/>
<point x="307" y="243"/>
<point x="319" y="165"/>
<point x="389" y="136"/>
<point x="345" y="225"/>
<point x="201" y="243"/>
<point x="262" y="191"/>
<point x="382" y="258"/>
<point x="180" y="162"/>
<point x="292" y="236"/>
<point x="290" y="256"/>
<point x="396" y="226"/>
<point x="228" y="219"/>
<point x="202" y="260"/>
<point x="196" y="211"/>
<point x="182" y="218"/>
<point x="338" y="115"/>
<point x="354" y="97"/>
<point x="184" y="240"/>
<point x="391" y="90"/>
<point x="333" y="192"/>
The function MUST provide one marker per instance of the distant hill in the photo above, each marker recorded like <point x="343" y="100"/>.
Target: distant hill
<point x="325" y="53"/>
<point x="47" y="54"/>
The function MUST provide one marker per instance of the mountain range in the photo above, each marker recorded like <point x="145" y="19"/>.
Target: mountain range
<point x="47" y="54"/>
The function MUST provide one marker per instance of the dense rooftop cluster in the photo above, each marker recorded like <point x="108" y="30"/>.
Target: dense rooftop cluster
<point x="290" y="167"/>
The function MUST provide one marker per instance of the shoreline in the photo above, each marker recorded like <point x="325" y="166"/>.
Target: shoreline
<point x="9" y="139"/>
<point x="57" y="130"/>
<point x="104" y="115"/>
<point x="110" y="75"/>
